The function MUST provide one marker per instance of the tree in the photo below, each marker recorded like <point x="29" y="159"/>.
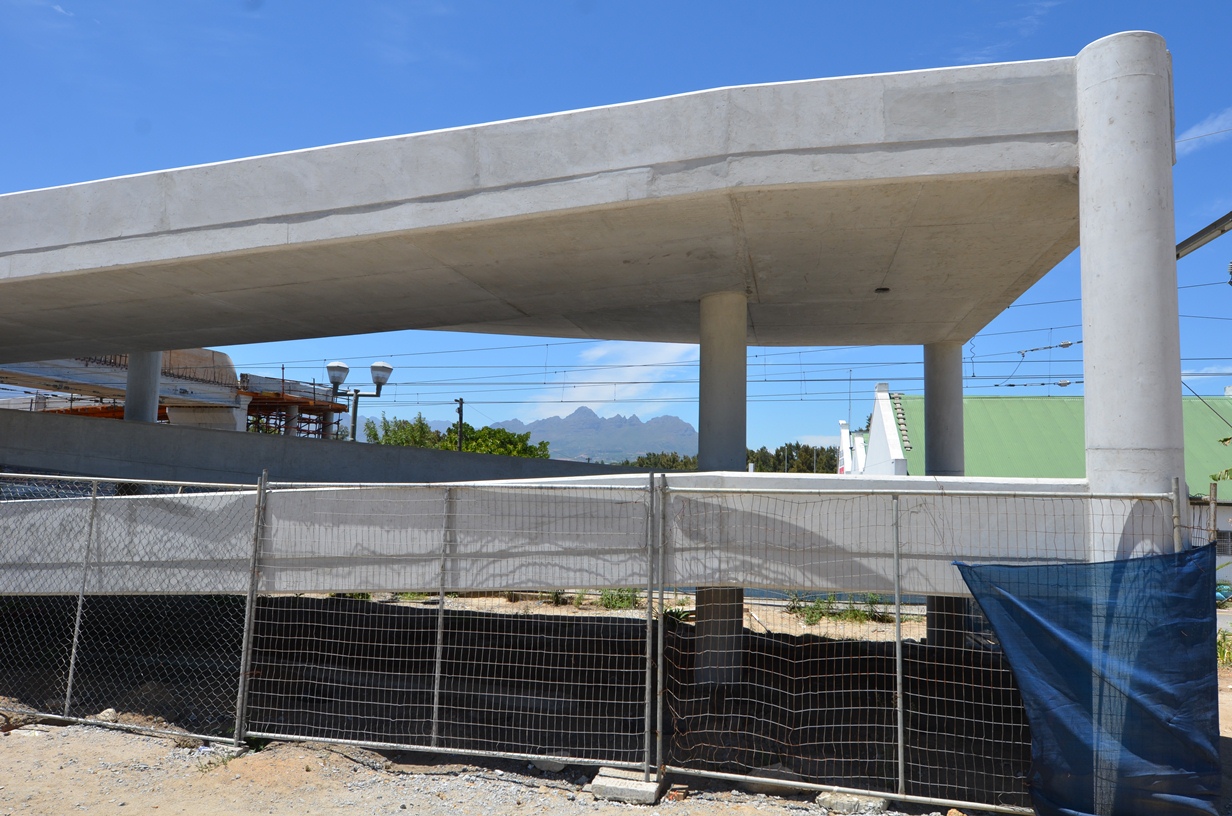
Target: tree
<point x="798" y="457"/>
<point x="794" y="457"/>
<point x="493" y="440"/>
<point x="663" y="460"/>
<point x="418" y="433"/>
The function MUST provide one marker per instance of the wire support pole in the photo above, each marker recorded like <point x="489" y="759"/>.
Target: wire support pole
<point x="81" y="598"/>
<point x="250" y="610"/>
<point x="899" y="702"/>
<point x="1176" y="514"/>
<point x="1212" y="499"/>
<point x="650" y="583"/>
<point x="661" y="650"/>
<point x="439" y="658"/>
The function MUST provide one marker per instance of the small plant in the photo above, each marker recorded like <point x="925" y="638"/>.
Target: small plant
<point x="680" y="612"/>
<point x="796" y="602"/>
<point x="812" y="612"/>
<point x="557" y="597"/>
<point x="354" y="596"/>
<point x="209" y="759"/>
<point x="1223" y="648"/>
<point x="411" y="596"/>
<point x="855" y="612"/>
<point x="872" y="604"/>
<point x="579" y="599"/>
<point x="622" y="598"/>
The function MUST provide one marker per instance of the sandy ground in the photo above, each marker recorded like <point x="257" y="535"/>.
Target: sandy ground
<point x="50" y="769"/>
<point x="87" y="769"/>
<point x="57" y="769"/>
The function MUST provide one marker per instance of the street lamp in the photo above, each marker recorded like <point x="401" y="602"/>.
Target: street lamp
<point x="337" y="376"/>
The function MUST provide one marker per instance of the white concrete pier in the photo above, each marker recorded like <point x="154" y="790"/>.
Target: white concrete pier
<point x="141" y="392"/>
<point x="722" y="445"/>
<point x="943" y="410"/>
<point x="1131" y="339"/>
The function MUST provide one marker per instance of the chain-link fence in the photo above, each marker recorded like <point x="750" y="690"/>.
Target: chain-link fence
<point x="124" y="600"/>
<point x="817" y="637"/>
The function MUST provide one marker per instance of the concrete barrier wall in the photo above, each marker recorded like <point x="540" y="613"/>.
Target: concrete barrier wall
<point x="55" y="443"/>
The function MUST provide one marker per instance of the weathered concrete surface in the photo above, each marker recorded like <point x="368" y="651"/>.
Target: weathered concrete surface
<point x="953" y="189"/>
<point x="1131" y="339"/>
<point x="625" y="785"/>
<point x="134" y="450"/>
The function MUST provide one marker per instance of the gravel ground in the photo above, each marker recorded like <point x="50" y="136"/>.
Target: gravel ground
<point x="52" y="769"/>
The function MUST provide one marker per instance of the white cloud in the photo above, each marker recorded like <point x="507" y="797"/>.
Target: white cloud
<point x="1213" y="129"/>
<point x="1029" y="23"/>
<point x="625" y="378"/>
<point x="1207" y="371"/>
<point x="1023" y="26"/>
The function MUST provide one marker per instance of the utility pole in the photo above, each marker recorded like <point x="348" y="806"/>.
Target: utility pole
<point x="459" y="401"/>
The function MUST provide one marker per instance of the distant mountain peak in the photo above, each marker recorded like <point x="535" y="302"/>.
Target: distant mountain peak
<point x="584" y="435"/>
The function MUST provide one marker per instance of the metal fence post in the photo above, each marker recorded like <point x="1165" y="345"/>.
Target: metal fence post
<point x="650" y="582"/>
<point x="1176" y="514"/>
<point x="1212" y="534"/>
<point x="898" y="654"/>
<point x="447" y="534"/>
<point x="661" y="540"/>
<point x="250" y="607"/>
<point x="81" y="598"/>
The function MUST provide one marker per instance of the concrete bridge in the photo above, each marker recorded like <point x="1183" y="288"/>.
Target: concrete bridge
<point x="906" y="208"/>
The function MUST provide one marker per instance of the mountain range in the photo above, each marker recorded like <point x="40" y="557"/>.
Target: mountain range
<point x="584" y="435"/>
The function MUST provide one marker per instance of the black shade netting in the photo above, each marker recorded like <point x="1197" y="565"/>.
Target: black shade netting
<point x="1117" y="669"/>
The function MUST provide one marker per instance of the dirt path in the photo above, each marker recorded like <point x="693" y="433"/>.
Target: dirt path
<point x="84" y="769"/>
<point x="48" y="769"/>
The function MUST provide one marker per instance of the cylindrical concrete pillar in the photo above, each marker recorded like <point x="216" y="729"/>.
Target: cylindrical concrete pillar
<point x="141" y="387"/>
<point x="291" y="425"/>
<point x="946" y="618"/>
<point x="1131" y="341"/>
<point x="721" y="445"/>
<point x="723" y="375"/>
<point x="943" y="410"/>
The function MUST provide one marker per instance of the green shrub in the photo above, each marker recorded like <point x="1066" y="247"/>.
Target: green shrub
<point x="622" y="598"/>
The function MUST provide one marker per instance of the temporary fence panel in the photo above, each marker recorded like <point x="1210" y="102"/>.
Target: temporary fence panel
<point x="465" y="538"/>
<point x="125" y="597"/>
<point x="417" y="633"/>
<point x="833" y="700"/>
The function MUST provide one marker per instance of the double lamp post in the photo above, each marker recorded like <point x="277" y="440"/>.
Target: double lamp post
<point x="337" y="376"/>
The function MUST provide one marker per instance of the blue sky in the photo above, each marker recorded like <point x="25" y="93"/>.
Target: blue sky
<point x="94" y="89"/>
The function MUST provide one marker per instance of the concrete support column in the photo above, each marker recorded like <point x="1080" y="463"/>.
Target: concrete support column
<point x="944" y="455"/>
<point x="722" y="445"/>
<point x="1131" y="340"/>
<point x="291" y="425"/>
<point x="943" y="410"/>
<point x="141" y="388"/>
<point x="723" y="387"/>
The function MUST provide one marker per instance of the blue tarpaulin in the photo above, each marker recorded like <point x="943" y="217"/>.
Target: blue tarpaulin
<point x="1116" y="665"/>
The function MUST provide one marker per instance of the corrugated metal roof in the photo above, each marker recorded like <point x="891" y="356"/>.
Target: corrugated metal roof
<point x="1044" y="437"/>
